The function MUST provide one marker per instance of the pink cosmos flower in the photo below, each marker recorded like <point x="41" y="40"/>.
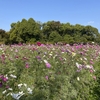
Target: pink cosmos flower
<point x="16" y="50"/>
<point x="46" y="77"/>
<point x="38" y="57"/>
<point x="91" y="71"/>
<point x="16" y="57"/>
<point x="3" y="58"/>
<point x="7" y="87"/>
<point x="48" y="65"/>
<point x="94" y="77"/>
<point x="91" y="62"/>
<point x="4" y="79"/>
<point x="27" y="65"/>
<point x="1" y="76"/>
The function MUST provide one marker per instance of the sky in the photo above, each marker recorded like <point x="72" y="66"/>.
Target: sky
<point x="83" y="12"/>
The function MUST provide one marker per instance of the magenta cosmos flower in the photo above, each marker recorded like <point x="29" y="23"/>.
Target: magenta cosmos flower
<point x="39" y="43"/>
<point x="5" y="79"/>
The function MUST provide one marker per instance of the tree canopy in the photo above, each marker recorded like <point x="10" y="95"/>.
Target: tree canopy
<point x="31" y="31"/>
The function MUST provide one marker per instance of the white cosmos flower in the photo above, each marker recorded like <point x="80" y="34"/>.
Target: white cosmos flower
<point x="78" y="78"/>
<point x="13" y="71"/>
<point x="78" y="65"/>
<point x="21" y="92"/>
<point x="3" y="51"/>
<point x="10" y="89"/>
<point x="45" y="61"/>
<point x="6" y="76"/>
<point x="53" y="49"/>
<point x="64" y="58"/>
<point x="73" y="54"/>
<point x="44" y="56"/>
<point x="0" y="48"/>
<point x="13" y="76"/>
<point x="81" y="59"/>
<point x="50" y="54"/>
<point x="85" y="58"/>
<point x="19" y="85"/>
<point x="8" y="94"/>
<point x="88" y="66"/>
<point x="29" y="90"/>
<point x="25" y="84"/>
<point x="4" y="91"/>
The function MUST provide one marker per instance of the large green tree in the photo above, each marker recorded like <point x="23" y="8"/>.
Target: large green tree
<point x="91" y="33"/>
<point x="25" y="31"/>
<point x="3" y="36"/>
<point x="55" y="37"/>
<point x="49" y="27"/>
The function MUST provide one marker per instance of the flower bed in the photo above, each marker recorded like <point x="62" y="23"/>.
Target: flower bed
<point x="49" y="72"/>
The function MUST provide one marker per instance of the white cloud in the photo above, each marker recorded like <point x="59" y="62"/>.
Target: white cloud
<point x="90" y="22"/>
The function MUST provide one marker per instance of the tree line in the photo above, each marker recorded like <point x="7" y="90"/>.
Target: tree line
<point x="31" y="31"/>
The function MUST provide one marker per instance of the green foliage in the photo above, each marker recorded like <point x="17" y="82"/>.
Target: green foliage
<point x="3" y="36"/>
<point x="24" y="31"/>
<point x="30" y="31"/>
<point x="55" y="37"/>
<point x="96" y="88"/>
<point x="68" y="39"/>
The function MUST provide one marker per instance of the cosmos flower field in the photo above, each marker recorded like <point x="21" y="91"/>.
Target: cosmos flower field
<point x="49" y="72"/>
